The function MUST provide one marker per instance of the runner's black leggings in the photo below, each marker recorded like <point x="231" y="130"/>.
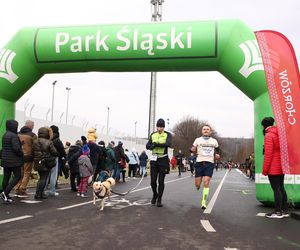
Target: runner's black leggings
<point x="280" y="196"/>
<point x="158" y="169"/>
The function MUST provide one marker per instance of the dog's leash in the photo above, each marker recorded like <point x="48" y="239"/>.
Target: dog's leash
<point x="130" y="190"/>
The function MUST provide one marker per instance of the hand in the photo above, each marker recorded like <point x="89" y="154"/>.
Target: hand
<point x="264" y="173"/>
<point x="217" y="157"/>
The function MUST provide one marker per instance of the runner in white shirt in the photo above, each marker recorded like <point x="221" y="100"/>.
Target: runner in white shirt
<point x="207" y="151"/>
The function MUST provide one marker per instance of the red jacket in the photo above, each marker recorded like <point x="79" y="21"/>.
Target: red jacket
<point x="272" y="163"/>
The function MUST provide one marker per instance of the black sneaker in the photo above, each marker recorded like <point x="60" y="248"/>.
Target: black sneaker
<point x="6" y="198"/>
<point x="9" y="199"/>
<point x="285" y="214"/>
<point x="274" y="215"/>
<point x="159" y="204"/>
<point x="153" y="201"/>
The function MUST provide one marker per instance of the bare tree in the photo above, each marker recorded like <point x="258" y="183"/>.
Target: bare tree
<point x="189" y="128"/>
<point x="186" y="131"/>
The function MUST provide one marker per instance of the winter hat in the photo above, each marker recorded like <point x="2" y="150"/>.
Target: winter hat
<point x="160" y="123"/>
<point x="101" y="143"/>
<point x="267" y="122"/>
<point x="54" y="129"/>
<point x="85" y="149"/>
<point x="120" y="143"/>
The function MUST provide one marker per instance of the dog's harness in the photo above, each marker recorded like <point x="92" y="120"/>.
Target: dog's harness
<point x="105" y="194"/>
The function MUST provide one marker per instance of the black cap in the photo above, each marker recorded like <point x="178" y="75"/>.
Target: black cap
<point x="267" y="122"/>
<point x="160" y="123"/>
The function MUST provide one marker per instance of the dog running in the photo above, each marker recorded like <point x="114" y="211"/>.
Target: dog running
<point x="102" y="190"/>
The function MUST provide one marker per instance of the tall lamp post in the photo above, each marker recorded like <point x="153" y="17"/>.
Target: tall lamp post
<point x="107" y="121"/>
<point x="156" y="7"/>
<point x="168" y="122"/>
<point x="135" y="131"/>
<point x="68" y="93"/>
<point x="53" y="100"/>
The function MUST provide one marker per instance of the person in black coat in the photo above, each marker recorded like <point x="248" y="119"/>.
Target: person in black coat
<point x="73" y="155"/>
<point x="101" y="159"/>
<point x="59" y="146"/>
<point x="179" y="159"/>
<point x="12" y="159"/>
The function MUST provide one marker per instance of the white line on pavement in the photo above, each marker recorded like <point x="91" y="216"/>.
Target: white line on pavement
<point x="207" y="226"/>
<point x="57" y="190"/>
<point x="230" y="248"/>
<point x="15" y="219"/>
<point x="261" y="214"/>
<point x="215" y="196"/>
<point x="137" y="190"/>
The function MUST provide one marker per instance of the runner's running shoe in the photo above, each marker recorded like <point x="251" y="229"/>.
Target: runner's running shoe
<point x="203" y="204"/>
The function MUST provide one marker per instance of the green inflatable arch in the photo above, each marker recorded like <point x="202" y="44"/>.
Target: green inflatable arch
<point x="227" y="46"/>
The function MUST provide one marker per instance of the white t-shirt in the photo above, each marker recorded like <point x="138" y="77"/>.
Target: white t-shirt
<point x="205" y="148"/>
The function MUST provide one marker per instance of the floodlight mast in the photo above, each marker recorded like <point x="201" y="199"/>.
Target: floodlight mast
<point x="156" y="8"/>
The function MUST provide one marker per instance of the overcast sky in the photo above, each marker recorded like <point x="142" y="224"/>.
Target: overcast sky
<point x="205" y="95"/>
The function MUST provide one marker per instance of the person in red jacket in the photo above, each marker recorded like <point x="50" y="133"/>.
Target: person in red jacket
<point x="273" y="169"/>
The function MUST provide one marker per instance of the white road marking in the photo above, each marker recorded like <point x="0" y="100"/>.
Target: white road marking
<point x="215" y="196"/>
<point x="137" y="190"/>
<point x="15" y="219"/>
<point x="261" y="214"/>
<point x="240" y="172"/>
<point x="30" y="201"/>
<point x="230" y="248"/>
<point x="207" y="226"/>
<point x="57" y="190"/>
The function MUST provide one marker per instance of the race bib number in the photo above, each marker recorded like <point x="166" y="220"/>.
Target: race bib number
<point x="154" y="158"/>
<point x="208" y="151"/>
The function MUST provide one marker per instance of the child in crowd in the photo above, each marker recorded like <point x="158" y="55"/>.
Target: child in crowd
<point x="92" y="135"/>
<point x="85" y="171"/>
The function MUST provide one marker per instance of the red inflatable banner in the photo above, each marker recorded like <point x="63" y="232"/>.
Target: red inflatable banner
<point x="283" y="82"/>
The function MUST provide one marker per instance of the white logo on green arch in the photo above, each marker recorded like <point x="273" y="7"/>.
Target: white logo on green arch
<point x="6" y="72"/>
<point x="253" y="60"/>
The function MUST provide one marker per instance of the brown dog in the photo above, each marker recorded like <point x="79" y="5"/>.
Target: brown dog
<point x="102" y="190"/>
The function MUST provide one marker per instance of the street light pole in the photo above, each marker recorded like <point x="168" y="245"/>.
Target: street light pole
<point x="53" y="100"/>
<point x="107" y="121"/>
<point x="135" y="131"/>
<point x="68" y="92"/>
<point x="156" y="7"/>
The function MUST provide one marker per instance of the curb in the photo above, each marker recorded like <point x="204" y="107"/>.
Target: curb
<point x="295" y="215"/>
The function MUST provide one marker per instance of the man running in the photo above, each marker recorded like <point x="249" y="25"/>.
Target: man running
<point x="159" y="142"/>
<point x="207" y="150"/>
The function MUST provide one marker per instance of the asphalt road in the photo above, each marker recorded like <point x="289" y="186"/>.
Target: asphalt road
<point x="231" y="220"/>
